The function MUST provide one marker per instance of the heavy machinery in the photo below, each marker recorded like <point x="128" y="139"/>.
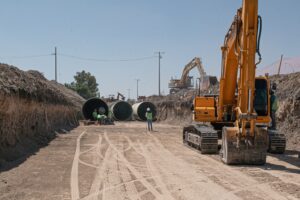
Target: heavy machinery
<point x="111" y="97"/>
<point x="186" y="81"/>
<point x="120" y="96"/>
<point x="240" y="113"/>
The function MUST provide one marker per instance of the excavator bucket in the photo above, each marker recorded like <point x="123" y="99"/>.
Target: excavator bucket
<point x="207" y="81"/>
<point x="251" y="151"/>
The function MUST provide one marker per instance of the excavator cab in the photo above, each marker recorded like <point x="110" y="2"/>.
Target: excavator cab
<point x="262" y="106"/>
<point x="261" y="99"/>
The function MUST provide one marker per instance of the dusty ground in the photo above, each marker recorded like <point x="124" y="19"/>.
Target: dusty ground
<point x="125" y="162"/>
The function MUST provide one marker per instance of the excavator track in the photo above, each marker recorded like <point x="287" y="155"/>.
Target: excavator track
<point x="202" y="137"/>
<point x="277" y="142"/>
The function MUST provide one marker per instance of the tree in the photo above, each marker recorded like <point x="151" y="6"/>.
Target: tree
<point x="85" y="85"/>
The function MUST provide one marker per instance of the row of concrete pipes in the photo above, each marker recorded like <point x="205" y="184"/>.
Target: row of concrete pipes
<point x="119" y="110"/>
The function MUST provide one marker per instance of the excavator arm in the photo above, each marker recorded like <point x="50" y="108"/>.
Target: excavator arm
<point x="238" y="55"/>
<point x="245" y="142"/>
<point x="196" y="62"/>
<point x="120" y="95"/>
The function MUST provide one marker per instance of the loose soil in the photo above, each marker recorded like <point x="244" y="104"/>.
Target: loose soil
<point x="127" y="162"/>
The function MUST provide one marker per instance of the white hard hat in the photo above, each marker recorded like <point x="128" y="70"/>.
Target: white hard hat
<point x="148" y="109"/>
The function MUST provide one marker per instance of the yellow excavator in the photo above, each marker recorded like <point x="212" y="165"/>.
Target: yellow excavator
<point x="240" y="113"/>
<point x="185" y="81"/>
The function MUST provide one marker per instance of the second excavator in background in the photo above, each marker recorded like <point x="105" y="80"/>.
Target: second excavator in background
<point x="186" y="81"/>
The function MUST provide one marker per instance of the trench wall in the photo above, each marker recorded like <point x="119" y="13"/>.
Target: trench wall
<point x="32" y="109"/>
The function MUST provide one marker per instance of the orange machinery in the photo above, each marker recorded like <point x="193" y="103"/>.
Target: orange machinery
<point x="240" y="113"/>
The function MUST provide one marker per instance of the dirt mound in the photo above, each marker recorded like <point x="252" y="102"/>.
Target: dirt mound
<point x="288" y="114"/>
<point x="31" y="109"/>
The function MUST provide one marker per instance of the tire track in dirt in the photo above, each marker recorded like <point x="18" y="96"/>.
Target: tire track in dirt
<point x="134" y="171"/>
<point x="183" y="180"/>
<point x="129" y="180"/>
<point x="111" y="179"/>
<point x="151" y="169"/>
<point x="74" y="170"/>
<point x="127" y="184"/>
<point x="235" y="182"/>
<point x="96" y="185"/>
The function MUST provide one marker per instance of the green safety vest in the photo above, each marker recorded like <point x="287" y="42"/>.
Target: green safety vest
<point x="274" y="103"/>
<point x="109" y="114"/>
<point x="95" y="115"/>
<point x="101" y="116"/>
<point x="148" y="115"/>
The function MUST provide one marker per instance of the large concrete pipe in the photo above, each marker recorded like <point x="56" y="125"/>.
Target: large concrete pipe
<point x="121" y="110"/>
<point x="94" y="103"/>
<point x="140" y="109"/>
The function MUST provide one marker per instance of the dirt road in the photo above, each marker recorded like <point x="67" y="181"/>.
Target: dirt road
<point x="125" y="162"/>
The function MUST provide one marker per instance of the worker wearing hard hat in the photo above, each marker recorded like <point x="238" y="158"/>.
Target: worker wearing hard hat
<point x="149" y="118"/>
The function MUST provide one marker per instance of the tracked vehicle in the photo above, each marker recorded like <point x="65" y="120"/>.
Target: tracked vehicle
<point x="240" y="114"/>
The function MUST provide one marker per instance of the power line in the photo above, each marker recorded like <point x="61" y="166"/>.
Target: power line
<point x="79" y="58"/>
<point x="24" y="57"/>
<point x="106" y="60"/>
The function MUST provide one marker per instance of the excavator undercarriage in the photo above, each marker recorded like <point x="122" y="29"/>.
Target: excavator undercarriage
<point x="276" y="142"/>
<point x="202" y="137"/>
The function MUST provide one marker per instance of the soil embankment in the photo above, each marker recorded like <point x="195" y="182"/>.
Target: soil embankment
<point x="31" y="110"/>
<point x="288" y="114"/>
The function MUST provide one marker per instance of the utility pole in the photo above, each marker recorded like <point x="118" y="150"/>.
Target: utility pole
<point x="137" y="88"/>
<point x="55" y="55"/>
<point x="280" y="64"/>
<point x="128" y="94"/>
<point x="159" y="57"/>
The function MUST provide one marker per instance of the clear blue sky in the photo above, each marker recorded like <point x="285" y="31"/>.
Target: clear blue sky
<point x="119" y="29"/>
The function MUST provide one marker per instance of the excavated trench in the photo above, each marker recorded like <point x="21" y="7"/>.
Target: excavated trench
<point x="32" y="109"/>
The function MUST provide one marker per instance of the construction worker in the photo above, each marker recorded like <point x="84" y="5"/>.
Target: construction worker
<point x="103" y="119"/>
<point x="274" y="107"/>
<point x="94" y="114"/>
<point x="99" y="119"/>
<point x="148" y="116"/>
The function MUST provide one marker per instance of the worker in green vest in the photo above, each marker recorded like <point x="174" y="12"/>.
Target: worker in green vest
<point x="274" y="108"/>
<point x="94" y="114"/>
<point x="149" y="118"/>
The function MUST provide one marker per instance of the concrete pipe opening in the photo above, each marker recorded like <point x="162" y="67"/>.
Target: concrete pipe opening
<point x="121" y="110"/>
<point x="140" y="109"/>
<point x="94" y="103"/>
